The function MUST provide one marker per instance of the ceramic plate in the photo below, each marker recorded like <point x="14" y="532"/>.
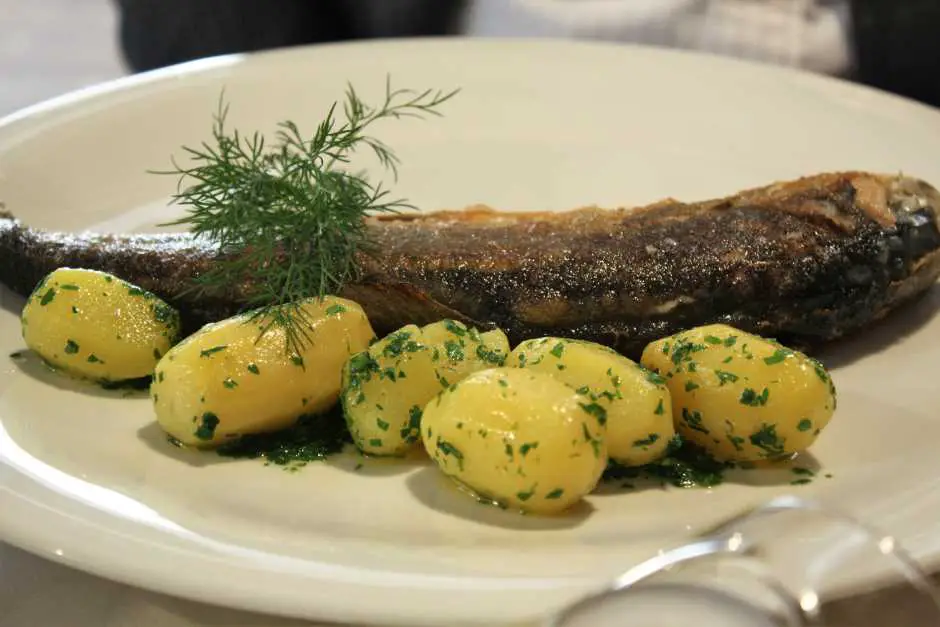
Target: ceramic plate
<point x="87" y="479"/>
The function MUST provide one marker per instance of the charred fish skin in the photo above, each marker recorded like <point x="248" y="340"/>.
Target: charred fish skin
<point x="804" y="261"/>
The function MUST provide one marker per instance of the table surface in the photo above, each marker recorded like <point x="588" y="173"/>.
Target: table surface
<point x="48" y="47"/>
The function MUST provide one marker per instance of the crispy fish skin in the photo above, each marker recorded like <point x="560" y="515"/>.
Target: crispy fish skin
<point x="804" y="261"/>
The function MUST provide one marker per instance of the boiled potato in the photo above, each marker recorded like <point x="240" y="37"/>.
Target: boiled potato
<point x="517" y="438"/>
<point x="464" y="349"/>
<point x="633" y="402"/>
<point x="229" y="379"/>
<point x="742" y="397"/>
<point x="97" y="326"/>
<point x="386" y="387"/>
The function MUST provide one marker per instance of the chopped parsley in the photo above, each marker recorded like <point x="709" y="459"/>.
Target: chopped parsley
<point x="454" y="350"/>
<point x="684" y="465"/>
<point x="207" y="426"/>
<point x="711" y="339"/>
<point x="805" y="425"/>
<point x="525" y="496"/>
<point x="455" y="327"/>
<point x="47" y="297"/>
<point x="446" y="448"/>
<point x="400" y="342"/>
<point x="312" y="437"/>
<point x="163" y="313"/>
<point x="778" y="357"/>
<point x="412" y="431"/>
<point x="595" y="410"/>
<point x="683" y="351"/>
<point x="231" y="384"/>
<point x="767" y="440"/>
<point x="69" y="287"/>
<point x="659" y="408"/>
<point x="820" y="371"/>
<point x="725" y="377"/>
<point x="297" y="360"/>
<point x="490" y="356"/>
<point x="691" y="385"/>
<point x="554" y="494"/>
<point x="654" y="377"/>
<point x="694" y="420"/>
<point x="71" y="347"/>
<point x="526" y="447"/>
<point x="586" y="433"/>
<point x="208" y="352"/>
<point x="558" y="350"/>
<point x="335" y="310"/>
<point x="648" y="441"/>
<point x="93" y="359"/>
<point x="253" y="368"/>
<point x="753" y="399"/>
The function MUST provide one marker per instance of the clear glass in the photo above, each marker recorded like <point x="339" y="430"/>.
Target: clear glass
<point x="790" y="563"/>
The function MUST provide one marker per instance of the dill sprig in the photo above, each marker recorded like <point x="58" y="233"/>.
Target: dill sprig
<point x="287" y="216"/>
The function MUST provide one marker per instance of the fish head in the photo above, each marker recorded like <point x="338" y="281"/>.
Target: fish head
<point x="915" y="206"/>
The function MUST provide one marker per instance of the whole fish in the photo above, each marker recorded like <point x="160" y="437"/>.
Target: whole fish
<point x="804" y="261"/>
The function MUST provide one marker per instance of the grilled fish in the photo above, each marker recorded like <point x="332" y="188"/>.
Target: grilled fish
<point x="805" y="261"/>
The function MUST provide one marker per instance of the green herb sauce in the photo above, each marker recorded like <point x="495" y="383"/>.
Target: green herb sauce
<point x="313" y="437"/>
<point x="684" y="465"/>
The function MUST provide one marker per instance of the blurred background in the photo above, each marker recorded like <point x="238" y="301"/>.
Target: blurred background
<point x="51" y="46"/>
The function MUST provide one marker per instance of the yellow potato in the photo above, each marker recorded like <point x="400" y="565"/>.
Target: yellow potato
<point x="633" y="402"/>
<point x="518" y="438"/>
<point x="228" y="379"/>
<point x="97" y="326"/>
<point x="742" y="397"/>
<point x="386" y="387"/>
<point x="464" y="349"/>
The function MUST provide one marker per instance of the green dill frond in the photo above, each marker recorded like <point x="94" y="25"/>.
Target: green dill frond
<point x="286" y="216"/>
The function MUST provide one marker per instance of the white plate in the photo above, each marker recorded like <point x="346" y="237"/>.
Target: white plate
<point x="87" y="480"/>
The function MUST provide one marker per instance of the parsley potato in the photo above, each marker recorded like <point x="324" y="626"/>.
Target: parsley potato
<point x="742" y="397"/>
<point x="96" y="326"/>
<point x="632" y="402"/>
<point x="518" y="438"/>
<point x="385" y="388"/>
<point x="229" y="379"/>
